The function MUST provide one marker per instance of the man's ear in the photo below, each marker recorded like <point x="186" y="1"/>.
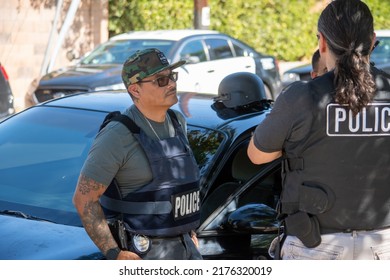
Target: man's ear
<point x="322" y="43"/>
<point x="133" y="89"/>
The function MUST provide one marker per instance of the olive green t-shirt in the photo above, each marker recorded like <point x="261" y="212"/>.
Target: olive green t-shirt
<point x="116" y="153"/>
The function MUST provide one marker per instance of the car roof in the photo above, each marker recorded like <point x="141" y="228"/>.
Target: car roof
<point x="300" y="69"/>
<point x="197" y="108"/>
<point x="383" y="33"/>
<point x="175" y="35"/>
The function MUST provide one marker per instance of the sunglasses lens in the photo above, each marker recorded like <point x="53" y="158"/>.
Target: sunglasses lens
<point x="163" y="81"/>
<point x="173" y="76"/>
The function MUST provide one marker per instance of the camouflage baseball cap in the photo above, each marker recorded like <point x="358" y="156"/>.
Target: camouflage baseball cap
<point x="145" y="63"/>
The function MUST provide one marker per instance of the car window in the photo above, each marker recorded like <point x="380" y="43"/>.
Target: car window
<point x="265" y="192"/>
<point x="381" y="53"/>
<point x="218" y="48"/>
<point x="116" y="52"/>
<point x="193" y="50"/>
<point x="240" y="51"/>
<point x="42" y="154"/>
<point x="204" y="144"/>
<point x="237" y="171"/>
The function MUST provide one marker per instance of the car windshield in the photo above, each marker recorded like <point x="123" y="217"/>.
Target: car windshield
<point x="116" y="52"/>
<point x="42" y="152"/>
<point x="381" y="53"/>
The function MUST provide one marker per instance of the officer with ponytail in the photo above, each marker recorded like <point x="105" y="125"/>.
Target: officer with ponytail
<point x="333" y="134"/>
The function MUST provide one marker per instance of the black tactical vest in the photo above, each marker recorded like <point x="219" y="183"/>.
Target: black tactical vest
<point x="170" y="204"/>
<point x="338" y="179"/>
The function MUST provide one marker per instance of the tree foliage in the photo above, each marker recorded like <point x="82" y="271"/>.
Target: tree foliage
<point x="283" y="28"/>
<point x="130" y="15"/>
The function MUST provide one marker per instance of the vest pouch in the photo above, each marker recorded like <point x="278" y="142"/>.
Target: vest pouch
<point x="314" y="199"/>
<point x="304" y="227"/>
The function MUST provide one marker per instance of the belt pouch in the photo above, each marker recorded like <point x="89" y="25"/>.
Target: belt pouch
<point x="306" y="228"/>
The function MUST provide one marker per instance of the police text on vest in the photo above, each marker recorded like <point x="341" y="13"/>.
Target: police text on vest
<point x="186" y="204"/>
<point x="373" y="120"/>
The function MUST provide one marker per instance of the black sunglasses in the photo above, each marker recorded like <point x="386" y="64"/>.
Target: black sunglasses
<point x="163" y="80"/>
<point x="375" y="45"/>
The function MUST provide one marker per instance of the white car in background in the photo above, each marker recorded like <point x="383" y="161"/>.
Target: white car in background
<point x="210" y="57"/>
<point x="380" y="56"/>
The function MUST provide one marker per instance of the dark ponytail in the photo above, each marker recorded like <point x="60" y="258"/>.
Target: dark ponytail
<point x="348" y="28"/>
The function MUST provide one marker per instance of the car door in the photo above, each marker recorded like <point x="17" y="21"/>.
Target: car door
<point x="209" y="60"/>
<point x="193" y="72"/>
<point x="241" y="206"/>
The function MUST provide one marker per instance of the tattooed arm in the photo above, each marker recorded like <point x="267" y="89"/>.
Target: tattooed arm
<point x="86" y="201"/>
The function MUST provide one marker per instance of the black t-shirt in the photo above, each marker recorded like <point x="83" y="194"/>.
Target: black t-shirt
<point x="344" y="154"/>
<point x="295" y="109"/>
<point x="290" y="120"/>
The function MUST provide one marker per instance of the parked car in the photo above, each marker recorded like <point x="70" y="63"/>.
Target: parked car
<point x="210" y="57"/>
<point x="299" y="73"/>
<point x="380" y="57"/>
<point x="42" y="150"/>
<point x="6" y="96"/>
<point x="381" y="54"/>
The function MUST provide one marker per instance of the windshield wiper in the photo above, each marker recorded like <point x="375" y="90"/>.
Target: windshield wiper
<point x="23" y="215"/>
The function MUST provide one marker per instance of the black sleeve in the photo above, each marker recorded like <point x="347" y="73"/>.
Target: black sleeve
<point x="287" y="122"/>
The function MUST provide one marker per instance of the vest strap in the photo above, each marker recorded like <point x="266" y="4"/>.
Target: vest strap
<point x="129" y="123"/>
<point x="174" y="119"/>
<point x="136" y="208"/>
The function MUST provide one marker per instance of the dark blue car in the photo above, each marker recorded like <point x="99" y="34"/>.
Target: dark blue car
<point x="42" y="150"/>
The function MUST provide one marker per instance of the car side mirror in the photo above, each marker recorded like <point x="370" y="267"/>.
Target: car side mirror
<point x="253" y="219"/>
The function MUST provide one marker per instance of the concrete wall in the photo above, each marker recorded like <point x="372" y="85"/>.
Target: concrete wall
<point x="25" y="27"/>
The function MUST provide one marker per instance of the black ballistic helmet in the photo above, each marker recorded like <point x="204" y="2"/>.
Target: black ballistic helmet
<point x="240" y="89"/>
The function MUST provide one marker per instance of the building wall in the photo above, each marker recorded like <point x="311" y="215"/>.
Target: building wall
<point x="25" y="27"/>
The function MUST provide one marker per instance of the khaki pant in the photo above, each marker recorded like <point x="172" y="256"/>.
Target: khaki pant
<point x="355" y="245"/>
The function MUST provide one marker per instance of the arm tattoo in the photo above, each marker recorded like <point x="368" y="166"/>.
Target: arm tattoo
<point x="92" y="215"/>
<point x="96" y="226"/>
<point x="87" y="184"/>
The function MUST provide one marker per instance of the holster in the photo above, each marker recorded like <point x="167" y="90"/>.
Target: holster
<point x="305" y="227"/>
<point x="118" y="231"/>
<point x="127" y="240"/>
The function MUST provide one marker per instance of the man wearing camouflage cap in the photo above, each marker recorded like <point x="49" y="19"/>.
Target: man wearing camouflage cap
<point x="140" y="174"/>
